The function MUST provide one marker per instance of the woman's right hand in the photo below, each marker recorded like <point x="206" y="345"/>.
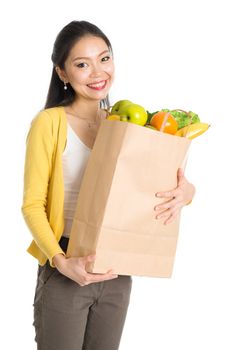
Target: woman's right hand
<point x="74" y="268"/>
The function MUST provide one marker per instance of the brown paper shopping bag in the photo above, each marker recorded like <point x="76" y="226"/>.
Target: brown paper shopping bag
<point x="115" y="217"/>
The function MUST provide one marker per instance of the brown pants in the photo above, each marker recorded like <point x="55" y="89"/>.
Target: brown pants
<point x="70" y="317"/>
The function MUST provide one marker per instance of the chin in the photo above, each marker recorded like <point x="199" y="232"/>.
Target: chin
<point x="98" y="96"/>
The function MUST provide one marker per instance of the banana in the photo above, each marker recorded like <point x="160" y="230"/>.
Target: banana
<point x="193" y="130"/>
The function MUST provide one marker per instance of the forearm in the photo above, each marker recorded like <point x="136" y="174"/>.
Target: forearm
<point x="38" y="224"/>
<point x="37" y="176"/>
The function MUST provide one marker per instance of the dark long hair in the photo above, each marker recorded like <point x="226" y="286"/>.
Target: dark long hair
<point x="64" y="42"/>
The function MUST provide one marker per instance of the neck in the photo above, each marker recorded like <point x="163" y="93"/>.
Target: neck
<point x="86" y="110"/>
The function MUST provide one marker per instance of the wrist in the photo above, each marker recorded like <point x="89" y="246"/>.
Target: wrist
<point x="58" y="260"/>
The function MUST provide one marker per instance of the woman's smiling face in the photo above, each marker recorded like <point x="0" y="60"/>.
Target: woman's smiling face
<point x="89" y="68"/>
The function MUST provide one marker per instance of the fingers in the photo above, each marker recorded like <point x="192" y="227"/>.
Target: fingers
<point x="166" y="205"/>
<point x="168" y="194"/>
<point x="172" y="217"/>
<point x="174" y="202"/>
<point x="99" y="277"/>
<point x="168" y="210"/>
<point x="180" y="174"/>
<point x="176" y="193"/>
<point x="89" y="278"/>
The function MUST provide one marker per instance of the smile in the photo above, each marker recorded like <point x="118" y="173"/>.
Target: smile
<point x="98" y="86"/>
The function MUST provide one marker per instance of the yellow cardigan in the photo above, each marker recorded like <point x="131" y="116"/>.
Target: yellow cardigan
<point x="43" y="197"/>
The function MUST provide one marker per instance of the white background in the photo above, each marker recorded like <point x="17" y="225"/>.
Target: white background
<point x="175" y="54"/>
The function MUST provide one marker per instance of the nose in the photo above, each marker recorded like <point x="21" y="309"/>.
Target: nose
<point x="96" y="70"/>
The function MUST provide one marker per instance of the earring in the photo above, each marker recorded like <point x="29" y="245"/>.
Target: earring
<point x="65" y="86"/>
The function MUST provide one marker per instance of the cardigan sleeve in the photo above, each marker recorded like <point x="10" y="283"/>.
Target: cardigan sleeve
<point x="37" y="172"/>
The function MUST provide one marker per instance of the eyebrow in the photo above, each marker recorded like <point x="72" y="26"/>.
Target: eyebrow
<point x="87" y="58"/>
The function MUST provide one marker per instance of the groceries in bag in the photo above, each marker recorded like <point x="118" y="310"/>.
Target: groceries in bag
<point x="175" y="122"/>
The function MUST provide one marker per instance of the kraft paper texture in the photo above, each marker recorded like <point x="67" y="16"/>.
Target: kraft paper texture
<point x="115" y="217"/>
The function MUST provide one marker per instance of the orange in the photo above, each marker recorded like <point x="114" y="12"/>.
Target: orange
<point x="171" y="124"/>
<point x="113" y="117"/>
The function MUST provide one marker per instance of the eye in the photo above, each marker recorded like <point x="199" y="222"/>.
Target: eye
<point x="81" y="65"/>
<point x="106" y="58"/>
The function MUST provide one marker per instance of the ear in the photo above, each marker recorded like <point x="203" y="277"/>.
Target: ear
<point x="61" y="73"/>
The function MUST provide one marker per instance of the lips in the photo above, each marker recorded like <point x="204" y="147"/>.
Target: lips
<point x="98" y="86"/>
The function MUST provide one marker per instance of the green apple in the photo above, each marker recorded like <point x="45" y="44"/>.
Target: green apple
<point x="123" y="118"/>
<point x="118" y="106"/>
<point x="133" y="113"/>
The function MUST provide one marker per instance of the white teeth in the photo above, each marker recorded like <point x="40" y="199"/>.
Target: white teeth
<point x="102" y="83"/>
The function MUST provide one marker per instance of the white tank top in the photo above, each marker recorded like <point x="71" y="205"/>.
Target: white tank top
<point x="74" y="160"/>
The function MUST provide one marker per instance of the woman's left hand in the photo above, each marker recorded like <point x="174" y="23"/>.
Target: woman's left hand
<point x="179" y="197"/>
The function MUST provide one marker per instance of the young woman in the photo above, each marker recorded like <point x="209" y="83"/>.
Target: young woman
<point x="74" y="309"/>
